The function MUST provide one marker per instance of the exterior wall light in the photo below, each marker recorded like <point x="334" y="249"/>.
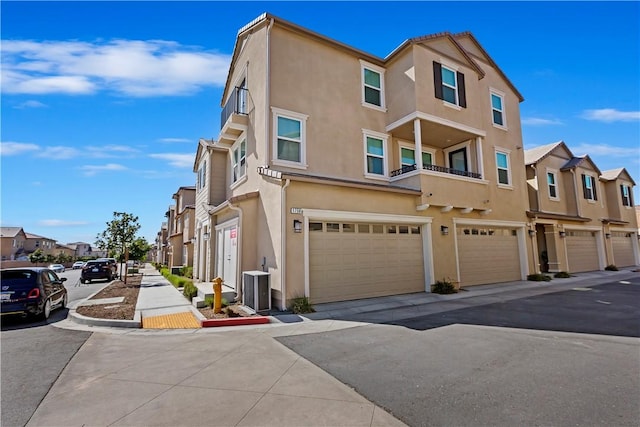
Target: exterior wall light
<point x="532" y="232"/>
<point x="607" y="235"/>
<point x="297" y="226"/>
<point x="444" y="230"/>
<point x="205" y="236"/>
<point x="563" y="234"/>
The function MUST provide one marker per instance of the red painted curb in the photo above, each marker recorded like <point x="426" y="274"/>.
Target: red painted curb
<point x="235" y="321"/>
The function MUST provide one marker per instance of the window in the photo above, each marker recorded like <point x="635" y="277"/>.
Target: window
<point x="375" y="158"/>
<point x="497" y="108"/>
<point x="625" y="190"/>
<point x="449" y="85"/>
<point x="502" y="164"/>
<point x="552" y="185"/>
<point x="289" y="130"/>
<point x="407" y="157"/>
<point x="589" y="187"/>
<point x="202" y="176"/>
<point x="239" y="153"/>
<point x="372" y="86"/>
<point x="458" y="160"/>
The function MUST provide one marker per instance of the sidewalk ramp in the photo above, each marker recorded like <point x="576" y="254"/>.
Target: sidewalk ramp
<point x="184" y="320"/>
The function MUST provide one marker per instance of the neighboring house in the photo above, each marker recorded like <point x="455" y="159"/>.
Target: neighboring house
<point x="67" y="250"/>
<point x="162" y="245"/>
<point x="583" y="218"/>
<point x="34" y="242"/>
<point x="347" y="176"/>
<point x="82" y="249"/>
<point x="182" y="226"/>
<point x="12" y="243"/>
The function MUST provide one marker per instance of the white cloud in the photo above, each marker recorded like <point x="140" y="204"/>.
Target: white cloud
<point x="60" y="223"/>
<point x="606" y="150"/>
<point x="176" y="160"/>
<point x="106" y="151"/>
<point x="171" y="140"/>
<point x="30" y="104"/>
<point x="91" y="170"/>
<point x="537" y="121"/>
<point x="14" y="148"/>
<point x="126" y="67"/>
<point x="609" y="115"/>
<point x="58" y="153"/>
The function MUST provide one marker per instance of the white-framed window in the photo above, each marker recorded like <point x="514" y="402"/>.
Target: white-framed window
<point x="552" y="184"/>
<point x="589" y="187"/>
<point x="625" y="192"/>
<point x="407" y="156"/>
<point x="457" y="157"/>
<point x="498" y="115"/>
<point x="375" y="149"/>
<point x="372" y="86"/>
<point x="238" y="159"/>
<point x="449" y="84"/>
<point x="503" y="167"/>
<point x="289" y="138"/>
<point x="201" y="176"/>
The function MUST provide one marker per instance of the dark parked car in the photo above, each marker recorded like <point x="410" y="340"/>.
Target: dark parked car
<point x="97" y="269"/>
<point x="31" y="291"/>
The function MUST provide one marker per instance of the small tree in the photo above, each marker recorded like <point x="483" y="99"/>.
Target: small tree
<point x="120" y="233"/>
<point x="37" y="257"/>
<point x="138" y="249"/>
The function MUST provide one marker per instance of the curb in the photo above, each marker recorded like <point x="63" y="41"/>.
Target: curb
<point x="235" y="321"/>
<point x="92" y="321"/>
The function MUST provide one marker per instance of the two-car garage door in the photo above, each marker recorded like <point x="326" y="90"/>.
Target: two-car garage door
<point x="363" y="260"/>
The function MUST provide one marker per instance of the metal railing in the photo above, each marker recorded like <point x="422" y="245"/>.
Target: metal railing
<point x="236" y="104"/>
<point x="435" y="168"/>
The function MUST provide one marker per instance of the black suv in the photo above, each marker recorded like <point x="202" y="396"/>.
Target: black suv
<point x="97" y="269"/>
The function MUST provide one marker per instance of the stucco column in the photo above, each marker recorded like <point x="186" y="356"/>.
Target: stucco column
<point x="479" y="156"/>
<point x="417" y="133"/>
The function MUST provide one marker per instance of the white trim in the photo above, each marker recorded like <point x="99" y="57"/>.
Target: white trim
<point x="292" y="115"/>
<point x="236" y="145"/>
<point x="323" y="215"/>
<point x="554" y="172"/>
<point x="381" y="72"/>
<point x="501" y="95"/>
<point x="465" y="144"/>
<point x="435" y="119"/>
<point x="507" y="154"/>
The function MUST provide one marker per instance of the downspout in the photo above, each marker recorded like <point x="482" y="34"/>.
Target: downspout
<point x="267" y="97"/>
<point x="283" y="246"/>
<point x="240" y="248"/>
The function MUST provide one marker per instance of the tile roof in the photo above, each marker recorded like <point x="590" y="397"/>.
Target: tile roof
<point x="536" y="154"/>
<point x="612" y="174"/>
<point x="10" y="231"/>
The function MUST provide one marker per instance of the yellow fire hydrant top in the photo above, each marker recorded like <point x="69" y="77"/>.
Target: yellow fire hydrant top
<point x="217" y="295"/>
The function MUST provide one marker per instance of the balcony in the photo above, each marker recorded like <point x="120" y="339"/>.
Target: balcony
<point x="435" y="168"/>
<point x="234" y="116"/>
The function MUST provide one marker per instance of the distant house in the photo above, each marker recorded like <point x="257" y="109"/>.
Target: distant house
<point x="12" y="243"/>
<point x="65" y="249"/>
<point x="34" y="242"/>
<point x="181" y="227"/>
<point x="82" y="249"/>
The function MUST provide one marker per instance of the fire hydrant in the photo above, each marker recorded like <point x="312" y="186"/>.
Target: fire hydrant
<point x="217" y="295"/>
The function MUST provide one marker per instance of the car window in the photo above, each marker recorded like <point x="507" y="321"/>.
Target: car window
<point x="53" y="277"/>
<point x="45" y="278"/>
<point x="17" y="279"/>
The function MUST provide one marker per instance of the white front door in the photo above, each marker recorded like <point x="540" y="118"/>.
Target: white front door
<point x="227" y="255"/>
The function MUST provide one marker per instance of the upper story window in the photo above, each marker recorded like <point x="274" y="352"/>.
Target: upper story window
<point x="497" y="108"/>
<point x="458" y="159"/>
<point x="202" y="176"/>
<point x="552" y="185"/>
<point x="449" y="85"/>
<point x="502" y="165"/>
<point x="372" y="86"/>
<point x="589" y="187"/>
<point x="375" y="146"/>
<point x="625" y="191"/>
<point x="408" y="157"/>
<point x="290" y="138"/>
<point x="238" y="159"/>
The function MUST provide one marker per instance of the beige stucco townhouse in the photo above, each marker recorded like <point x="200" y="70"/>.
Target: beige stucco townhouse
<point x="584" y="218"/>
<point x="347" y="176"/>
<point x="180" y="227"/>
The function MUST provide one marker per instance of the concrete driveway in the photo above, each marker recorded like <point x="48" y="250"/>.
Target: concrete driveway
<point x="562" y="358"/>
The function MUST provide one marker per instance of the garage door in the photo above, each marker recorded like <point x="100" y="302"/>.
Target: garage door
<point x="356" y="260"/>
<point x="582" y="251"/>
<point x="488" y="255"/>
<point x="622" y="248"/>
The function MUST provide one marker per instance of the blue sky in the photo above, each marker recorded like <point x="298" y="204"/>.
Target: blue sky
<point x="103" y="102"/>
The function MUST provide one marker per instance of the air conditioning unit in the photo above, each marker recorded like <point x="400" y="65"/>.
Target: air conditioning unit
<point x="256" y="290"/>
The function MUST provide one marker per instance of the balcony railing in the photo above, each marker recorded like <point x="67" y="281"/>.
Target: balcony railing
<point x="237" y="104"/>
<point x="435" y="168"/>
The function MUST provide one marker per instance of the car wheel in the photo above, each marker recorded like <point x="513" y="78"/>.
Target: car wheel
<point x="46" y="310"/>
<point x="64" y="301"/>
<point x="88" y="281"/>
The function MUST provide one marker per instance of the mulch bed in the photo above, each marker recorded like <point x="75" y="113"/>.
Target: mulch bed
<point x="118" y="311"/>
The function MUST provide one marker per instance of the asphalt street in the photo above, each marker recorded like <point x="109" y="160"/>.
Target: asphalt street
<point x="564" y="358"/>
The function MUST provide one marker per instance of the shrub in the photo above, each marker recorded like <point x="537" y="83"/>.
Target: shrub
<point x="443" y="287"/>
<point x="187" y="271"/>
<point x="562" y="275"/>
<point x="301" y="305"/>
<point x="208" y="302"/>
<point x="611" y="267"/>
<point x="538" y="277"/>
<point x="190" y="290"/>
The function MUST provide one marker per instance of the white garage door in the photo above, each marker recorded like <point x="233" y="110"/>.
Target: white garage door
<point x="488" y="255"/>
<point x="622" y="248"/>
<point x="582" y="251"/>
<point x="353" y="260"/>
